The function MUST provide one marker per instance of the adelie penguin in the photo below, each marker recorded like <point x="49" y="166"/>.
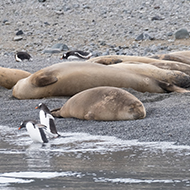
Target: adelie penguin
<point x="21" y="56"/>
<point x="76" y="55"/>
<point x="35" y="130"/>
<point x="48" y="120"/>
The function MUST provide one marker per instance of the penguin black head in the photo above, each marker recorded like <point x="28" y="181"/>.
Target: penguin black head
<point x="23" y="124"/>
<point x="43" y="107"/>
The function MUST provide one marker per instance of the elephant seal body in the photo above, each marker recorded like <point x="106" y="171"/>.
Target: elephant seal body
<point x="69" y="78"/>
<point x="102" y="103"/>
<point x="157" y="60"/>
<point x="180" y="56"/>
<point x="170" y="76"/>
<point x="9" y="77"/>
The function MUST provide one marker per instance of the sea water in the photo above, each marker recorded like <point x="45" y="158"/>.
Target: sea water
<point x="83" y="161"/>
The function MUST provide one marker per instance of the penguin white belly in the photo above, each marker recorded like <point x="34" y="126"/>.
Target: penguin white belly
<point x="45" y="120"/>
<point x="34" y="133"/>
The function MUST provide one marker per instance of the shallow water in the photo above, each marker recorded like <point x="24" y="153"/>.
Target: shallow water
<point x="82" y="161"/>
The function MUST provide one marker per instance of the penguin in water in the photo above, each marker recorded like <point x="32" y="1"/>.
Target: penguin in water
<point x="76" y="55"/>
<point x="35" y="130"/>
<point x="21" y="55"/>
<point x="48" y="120"/>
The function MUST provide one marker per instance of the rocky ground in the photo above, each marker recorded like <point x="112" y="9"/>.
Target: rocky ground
<point x="101" y="27"/>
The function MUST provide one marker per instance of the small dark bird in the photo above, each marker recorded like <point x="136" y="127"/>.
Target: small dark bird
<point x="21" y="55"/>
<point x="48" y="120"/>
<point x="76" y="55"/>
<point x="35" y="130"/>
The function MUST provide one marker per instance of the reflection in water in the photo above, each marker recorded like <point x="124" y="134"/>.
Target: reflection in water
<point x="35" y="158"/>
<point x="97" y="162"/>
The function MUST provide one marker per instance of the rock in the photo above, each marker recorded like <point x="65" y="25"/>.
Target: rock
<point x="170" y="34"/>
<point x="144" y="36"/>
<point x="102" y="43"/>
<point x="18" y="38"/>
<point x="96" y="54"/>
<point x="181" y="34"/>
<point x="59" y="12"/>
<point x="51" y="50"/>
<point x="20" y="32"/>
<point x="5" y="20"/>
<point x="60" y="46"/>
<point x="47" y="23"/>
<point x="156" y="18"/>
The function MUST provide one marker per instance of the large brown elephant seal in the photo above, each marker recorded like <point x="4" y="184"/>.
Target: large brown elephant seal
<point x="171" y="76"/>
<point x="154" y="60"/>
<point x="180" y="56"/>
<point x="9" y="77"/>
<point x="69" y="78"/>
<point x="114" y="59"/>
<point x="102" y="103"/>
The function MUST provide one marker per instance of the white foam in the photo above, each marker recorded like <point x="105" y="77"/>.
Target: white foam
<point x="131" y="180"/>
<point x="40" y="175"/>
<point x="8" y="180"/>
<point x="82" y="142"/>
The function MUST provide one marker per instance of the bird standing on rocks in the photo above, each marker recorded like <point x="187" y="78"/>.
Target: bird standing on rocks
<point x="21" y="55"/>
<point x="35" y="130"/>
<point x="76" y="55"/>
<point x="48" y="120"/>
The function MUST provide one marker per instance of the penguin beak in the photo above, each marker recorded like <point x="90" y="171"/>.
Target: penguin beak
<point x="36" y="107"/>
<point x="19" y="128"/>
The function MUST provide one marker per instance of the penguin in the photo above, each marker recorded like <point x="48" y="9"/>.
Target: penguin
<point x="48" y="120"/>
<point x="76" y="55"/>
<point x="21" y="55"/>
<point x="35" y="130"/>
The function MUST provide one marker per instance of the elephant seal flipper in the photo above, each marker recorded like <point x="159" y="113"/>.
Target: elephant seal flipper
<point x="44" y="79"/>
<point x="56" y="112"/>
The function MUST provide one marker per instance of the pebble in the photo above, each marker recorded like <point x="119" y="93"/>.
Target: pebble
<point x="156" y="18"/>
<point x="60" y="46"/>
<point x="144" y="36"/>
<point x="51" y="51"/>
<point x="18" y="38"/>
<point x="182" y="34"/>
<point x="20" y="32"/>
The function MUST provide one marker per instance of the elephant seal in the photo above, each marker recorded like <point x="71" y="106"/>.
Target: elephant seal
<point x="69" y="78"/>
<point x="102" y="103"/>
<point x="154" y="60"/>
<point x="114" y="59"/>
<point x="180" y="56"/>
<point x="171" y="76"/>
<point x="9" y="77"/>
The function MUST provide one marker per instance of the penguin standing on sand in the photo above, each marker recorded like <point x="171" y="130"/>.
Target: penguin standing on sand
<point x="35" y="130"/>
<point x="76" y="55"/>
<point x="48" y="120"/>
<point x="21" y="55"/>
